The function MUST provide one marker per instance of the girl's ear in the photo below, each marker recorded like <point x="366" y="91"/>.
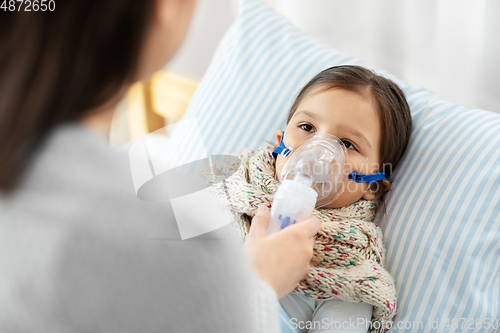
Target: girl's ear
<point x="370" y="194"/>
<point x="279" y="134"/>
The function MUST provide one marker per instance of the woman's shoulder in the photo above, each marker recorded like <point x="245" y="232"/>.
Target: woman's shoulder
<point x="75" y="176"/>
<point x="75" y="218"/>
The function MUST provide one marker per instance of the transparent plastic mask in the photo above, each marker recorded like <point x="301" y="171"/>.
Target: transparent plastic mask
<point x="323" y="158"/>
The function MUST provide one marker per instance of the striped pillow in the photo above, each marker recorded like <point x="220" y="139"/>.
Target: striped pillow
<point x="442" y="229"/>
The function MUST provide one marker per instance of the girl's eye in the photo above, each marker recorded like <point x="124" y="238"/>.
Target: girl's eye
<point x="349" y="145"/>
<point x="306" y="127"/>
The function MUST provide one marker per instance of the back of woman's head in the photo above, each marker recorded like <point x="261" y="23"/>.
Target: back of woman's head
<point x="56" y="65"/>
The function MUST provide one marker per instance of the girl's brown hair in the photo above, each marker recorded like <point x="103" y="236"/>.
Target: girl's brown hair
<point x="393" y="109"/>
<point x="56" y="65"/>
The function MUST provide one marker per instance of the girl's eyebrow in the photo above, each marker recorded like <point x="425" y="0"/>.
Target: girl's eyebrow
<point x="309" y="114"/>
<point x="347" y="127"/>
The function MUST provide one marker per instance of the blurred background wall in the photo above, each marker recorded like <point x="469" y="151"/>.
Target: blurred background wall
<point x="451" y="47"/>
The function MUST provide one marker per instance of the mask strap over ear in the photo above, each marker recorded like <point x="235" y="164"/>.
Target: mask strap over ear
<point x="369" y="179"/>
<point x="281" y="149"/>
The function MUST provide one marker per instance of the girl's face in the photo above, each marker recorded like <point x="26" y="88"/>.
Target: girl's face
<point x="348" y="115"/>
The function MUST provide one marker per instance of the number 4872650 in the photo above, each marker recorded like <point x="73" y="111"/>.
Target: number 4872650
<point x="28" y="5"/>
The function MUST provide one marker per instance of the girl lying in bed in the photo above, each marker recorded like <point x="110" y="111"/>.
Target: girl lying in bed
<point x="368" y="114"/>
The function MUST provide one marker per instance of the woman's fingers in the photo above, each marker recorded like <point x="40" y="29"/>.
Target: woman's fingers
<point x="309" y="227"/>
<point x="281" y="259"/>
<point x="260" y="222"/>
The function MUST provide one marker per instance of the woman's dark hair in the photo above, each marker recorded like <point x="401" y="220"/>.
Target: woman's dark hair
<point x="393" y="110"/>
<point x="57" y="65"/>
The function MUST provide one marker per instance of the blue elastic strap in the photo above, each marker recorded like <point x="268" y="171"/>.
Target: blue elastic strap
<point x="281" y="149"/>
<point x="369" y="179"/>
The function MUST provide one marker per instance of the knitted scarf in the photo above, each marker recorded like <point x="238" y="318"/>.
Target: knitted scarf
<point x="348" y="260"/>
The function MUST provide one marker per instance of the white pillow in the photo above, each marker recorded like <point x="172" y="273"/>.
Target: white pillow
<point x="442" y="229"/>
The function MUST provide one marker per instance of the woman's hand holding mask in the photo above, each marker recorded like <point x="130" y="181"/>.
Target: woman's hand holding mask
<point x="281" y="259"/>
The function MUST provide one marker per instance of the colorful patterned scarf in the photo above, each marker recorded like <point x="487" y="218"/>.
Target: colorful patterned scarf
<point x="348" y="260"/>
